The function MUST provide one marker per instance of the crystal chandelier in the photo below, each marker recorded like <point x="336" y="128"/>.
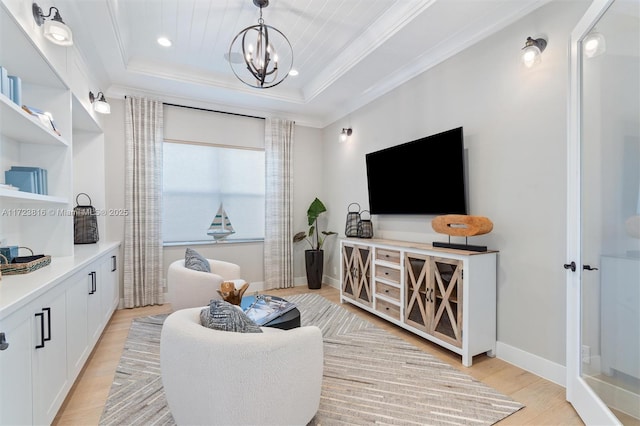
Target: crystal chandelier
<point x="260" y="55"/>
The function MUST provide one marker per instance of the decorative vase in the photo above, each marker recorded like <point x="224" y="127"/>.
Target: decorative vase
<point x="314" y="261"/>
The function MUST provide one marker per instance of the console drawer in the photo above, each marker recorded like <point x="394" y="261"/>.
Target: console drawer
<point x="391" y="256"/>
<point x="388" y="291"/>
<point x="388" y="309"/>
<point x="388" y="274"/>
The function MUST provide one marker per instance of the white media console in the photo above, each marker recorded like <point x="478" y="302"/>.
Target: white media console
<point x="444" y="295"/>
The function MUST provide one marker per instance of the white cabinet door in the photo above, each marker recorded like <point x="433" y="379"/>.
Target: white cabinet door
<point x="92" y="276"/>
<point x="77" y="328"/>
<point x="49" y="355"/>
<point x="15" y="365"/>
<point x="109" y="285"/>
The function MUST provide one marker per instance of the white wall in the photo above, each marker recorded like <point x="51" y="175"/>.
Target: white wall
<point x="514" y="122"/>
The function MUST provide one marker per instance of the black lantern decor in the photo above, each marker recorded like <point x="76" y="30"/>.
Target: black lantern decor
<point x="353" y="217"/>
<point x="365" y="226"/>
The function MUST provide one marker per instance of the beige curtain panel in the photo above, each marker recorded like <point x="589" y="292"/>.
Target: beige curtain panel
<point x="143" y="198"/>
<point x="278" y="234"/>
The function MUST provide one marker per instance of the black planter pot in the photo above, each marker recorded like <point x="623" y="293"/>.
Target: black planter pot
<point x="314" y="261"/>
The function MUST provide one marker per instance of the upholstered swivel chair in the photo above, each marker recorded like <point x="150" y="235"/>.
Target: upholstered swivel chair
<point x="213" y="377"/>
<point x="188" y="288"/>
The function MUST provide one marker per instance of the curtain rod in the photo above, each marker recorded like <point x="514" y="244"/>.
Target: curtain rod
<point x="213" y="110"/>
<point x="210" y="110"/>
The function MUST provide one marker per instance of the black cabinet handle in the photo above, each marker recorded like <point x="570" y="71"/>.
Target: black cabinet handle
<point x="589" y="268"/>
<point x="3" y="342"/>
<point x="571" y="266"/>
<point x="114" y="264"/>
<point x="48" y="311"/>
<point x="93" y="282"/>
<point x="41" y="315"/>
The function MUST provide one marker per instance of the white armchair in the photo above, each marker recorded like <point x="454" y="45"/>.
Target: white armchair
<point x="225" y="378"/>
<point x="188" y="288"/>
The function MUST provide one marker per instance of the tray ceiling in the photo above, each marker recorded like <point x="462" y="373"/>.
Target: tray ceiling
<point x="347" y="52"/>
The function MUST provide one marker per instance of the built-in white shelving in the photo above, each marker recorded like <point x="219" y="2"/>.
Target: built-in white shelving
<point x="9" y="195"/>
<point x="18" y="125"/>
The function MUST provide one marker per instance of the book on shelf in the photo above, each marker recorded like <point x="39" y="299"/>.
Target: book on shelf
<point x="16" y="89"/>
<point x="44" y="117"/>
<point x="24" y="180"/>
<point x="266" y="308"/>
<point x="16" y="174"/>
<point x="5" y="83"/>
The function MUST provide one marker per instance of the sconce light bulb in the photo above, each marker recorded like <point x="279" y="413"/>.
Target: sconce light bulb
<point x="345" y="133"/>
<point x="594" y="44"/>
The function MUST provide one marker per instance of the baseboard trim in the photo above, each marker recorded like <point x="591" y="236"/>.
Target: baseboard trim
<point x="535" y="364"/>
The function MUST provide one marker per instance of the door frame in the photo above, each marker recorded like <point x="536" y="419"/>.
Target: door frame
<point x="585" y="401"/>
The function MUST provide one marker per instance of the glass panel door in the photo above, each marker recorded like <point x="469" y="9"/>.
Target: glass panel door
<point x="603" y="353"/>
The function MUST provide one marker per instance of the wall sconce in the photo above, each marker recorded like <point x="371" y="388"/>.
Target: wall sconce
<point x="531" y="52"/>
<point x="55" y="30"/>
<point x="100" y="103"/>
<point x="593" y="45"/>
<point x="345" y="133"/>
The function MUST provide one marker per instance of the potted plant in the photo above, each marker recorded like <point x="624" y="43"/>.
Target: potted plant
<point x="314" y="257"/>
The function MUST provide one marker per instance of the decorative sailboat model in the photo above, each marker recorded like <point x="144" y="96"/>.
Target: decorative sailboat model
<point x="221" y="225"/>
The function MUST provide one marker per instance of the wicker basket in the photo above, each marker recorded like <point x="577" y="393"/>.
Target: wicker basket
<point x="25" y="264"/>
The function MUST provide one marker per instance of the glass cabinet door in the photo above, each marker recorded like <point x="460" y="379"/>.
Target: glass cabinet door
<point x="356" y="270"/>
<point x="447" y="300"/>
<point x="419" y="293"/>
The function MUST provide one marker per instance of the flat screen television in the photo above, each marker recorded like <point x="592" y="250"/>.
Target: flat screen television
<point x="422" y="177"/>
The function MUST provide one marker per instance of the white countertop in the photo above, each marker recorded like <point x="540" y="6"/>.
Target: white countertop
<point x="18" y="290"/>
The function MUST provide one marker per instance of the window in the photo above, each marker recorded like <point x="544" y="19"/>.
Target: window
<point x="197" y="178"/>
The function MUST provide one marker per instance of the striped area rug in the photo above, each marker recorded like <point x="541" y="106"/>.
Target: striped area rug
<point x="370" y="377"/>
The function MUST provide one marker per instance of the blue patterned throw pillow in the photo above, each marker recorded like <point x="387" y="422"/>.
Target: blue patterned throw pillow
<point x="222" y="315"/>
<point x="197" y="262"/>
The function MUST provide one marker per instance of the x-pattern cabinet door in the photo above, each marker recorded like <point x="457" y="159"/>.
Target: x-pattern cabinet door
<point x="434" y="296"/>
<point x="447" y="300"/>
<point x="356" y="270"/>
<point x="419" y="308"/>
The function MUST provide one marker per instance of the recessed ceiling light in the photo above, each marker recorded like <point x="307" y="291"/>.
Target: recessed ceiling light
<point x="293" y="72"/>
<point x="163" y="41"/>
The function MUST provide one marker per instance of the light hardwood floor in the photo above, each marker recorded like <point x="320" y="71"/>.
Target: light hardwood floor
<point x="544" y="401"/>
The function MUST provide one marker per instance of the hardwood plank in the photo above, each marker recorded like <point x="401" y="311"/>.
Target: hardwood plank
<point x="545" y="401"/>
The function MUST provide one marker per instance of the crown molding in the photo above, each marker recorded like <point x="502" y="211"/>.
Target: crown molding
<point x="429" y="59"/>
<point x="393" y="21"/>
